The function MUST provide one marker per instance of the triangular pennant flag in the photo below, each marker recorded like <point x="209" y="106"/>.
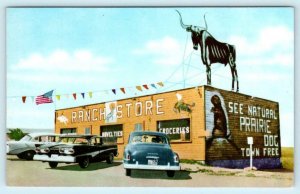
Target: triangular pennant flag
<point x="123" y="90"/>
<point x="161" y="84"/>
<point x="32" y="98"/>
<point x="74" y="95"/>
<point x="145" y="86"/>
<point x="82" y="94"/>
<point x="23" y="99"/>
<point x="67" y="96"/>
<point x="58" y="97"/>
<point x="90" y="94"/>
<point x="114" y="91"/>
<point x="153" y="85"/>
<point x="139" y="88"/>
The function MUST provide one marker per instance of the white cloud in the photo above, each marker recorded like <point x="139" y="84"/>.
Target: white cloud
<point x="166" y="51"/>
<point x="60" y="60"/>
<point x="60" y="67"/>
<point x="266" y="57"/>
<point x="269" y="39"/>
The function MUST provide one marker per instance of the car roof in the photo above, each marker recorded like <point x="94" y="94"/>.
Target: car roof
<point x="82" y="135"/>
<point x="148" y="133"/>
<point x="77" y="135"/>
<point x="35" y="134"/>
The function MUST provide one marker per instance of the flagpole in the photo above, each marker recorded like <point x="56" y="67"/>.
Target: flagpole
<point x="54" y="99"/>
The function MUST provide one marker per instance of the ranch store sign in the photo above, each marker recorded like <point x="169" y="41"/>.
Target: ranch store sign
<point x="113" y="111"/>
<point x="231" y="118"/>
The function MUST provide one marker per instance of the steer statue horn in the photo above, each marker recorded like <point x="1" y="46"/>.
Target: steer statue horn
<point x="212" y="51"/>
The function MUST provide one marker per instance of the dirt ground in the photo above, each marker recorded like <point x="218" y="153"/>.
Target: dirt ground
<point x="37" y="174"/>
<point x="283" y="174"/>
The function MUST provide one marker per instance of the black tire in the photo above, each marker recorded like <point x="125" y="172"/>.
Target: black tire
<point x="21" y="156"/>
<point x="29" y="155"/>
<point x="170" y="173"/>
<point x="85" y="162"/>
<point x="128" y="172"/>
<point x="110" y="158"/>
<point x="53" y="164"/>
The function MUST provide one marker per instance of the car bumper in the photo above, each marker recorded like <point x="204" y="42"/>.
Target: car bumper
<point x="11" y="151"/>
<point x="150" y="167"/>
<point x="54" y="158"/>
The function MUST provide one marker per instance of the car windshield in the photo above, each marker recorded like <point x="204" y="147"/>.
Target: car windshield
<point x="143" y="138"/>
<point x="74" y="140"/>
<point x="26" y="138"/>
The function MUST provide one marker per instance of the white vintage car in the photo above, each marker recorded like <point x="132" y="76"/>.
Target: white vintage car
<point x="25" y="147"/>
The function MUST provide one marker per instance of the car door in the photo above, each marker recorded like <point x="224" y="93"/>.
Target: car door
<point x="96" y="148"/>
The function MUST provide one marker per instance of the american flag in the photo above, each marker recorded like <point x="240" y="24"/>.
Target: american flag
<point x="45" y="98"/>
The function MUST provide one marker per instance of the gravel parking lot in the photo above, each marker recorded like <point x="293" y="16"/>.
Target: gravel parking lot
<point x="34" y="173"/>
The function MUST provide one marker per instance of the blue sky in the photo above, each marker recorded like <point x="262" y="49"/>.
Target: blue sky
<point x="74" y="50"/>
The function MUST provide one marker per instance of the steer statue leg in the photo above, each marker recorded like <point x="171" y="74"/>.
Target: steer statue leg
<point x="208" y="74"/>
<point x="234" y="74"/>
<point x="237" y="80"/>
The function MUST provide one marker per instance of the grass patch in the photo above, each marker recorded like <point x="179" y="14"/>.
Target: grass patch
<point x="287" y="157"/>
<point x="215" y="173"/>
<point x="206" y="171"/>
<point x="193" y="162"/>
<point x="250" y="175"/>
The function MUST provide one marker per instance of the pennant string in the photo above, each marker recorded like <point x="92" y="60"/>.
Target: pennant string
<point x="90" y="94"/>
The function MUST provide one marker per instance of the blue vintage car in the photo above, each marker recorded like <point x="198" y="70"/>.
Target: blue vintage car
<point x="150" y="151"/>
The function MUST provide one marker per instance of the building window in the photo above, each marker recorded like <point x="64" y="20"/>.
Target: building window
<point x="111" y="133"/>
<point x="177" y="130"/>
<point x="87" y="130"/>
<point x="138" y="127"/>
<point x="68" y="130"/>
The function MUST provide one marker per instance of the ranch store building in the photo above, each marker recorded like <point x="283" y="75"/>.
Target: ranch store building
<point x="203" y="123"/>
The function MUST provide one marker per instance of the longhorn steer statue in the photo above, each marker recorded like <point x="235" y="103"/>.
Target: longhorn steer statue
<point x="212" y="51"/>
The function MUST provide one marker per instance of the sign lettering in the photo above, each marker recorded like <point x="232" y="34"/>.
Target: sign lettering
<point x="139" y="109"/>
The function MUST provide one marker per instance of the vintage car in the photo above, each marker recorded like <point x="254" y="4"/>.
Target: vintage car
<point x="150" y="151"/>
<point x="82" y="149"/>
<point x="25" y="147"/>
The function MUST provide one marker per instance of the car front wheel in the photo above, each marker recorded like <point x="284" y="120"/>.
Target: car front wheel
<point x="110" y="158"/>
<point x="21" y="156"/>
<point x="170" y="173"/>
<point x="85" y="162"/>
<point x="29" y="155"/>
<point x="53" y="164"/>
